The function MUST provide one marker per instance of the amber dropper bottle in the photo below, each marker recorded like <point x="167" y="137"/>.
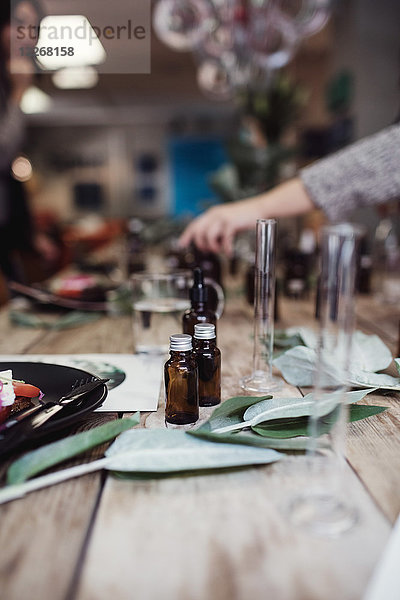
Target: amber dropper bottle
<point x="198" y="313"/>
<point x="208" y="359"/>
<point x="181" y="383"/>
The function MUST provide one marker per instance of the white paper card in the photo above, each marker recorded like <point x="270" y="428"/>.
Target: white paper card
<point x="135" y="379"/>
<point x="385" y="580"/>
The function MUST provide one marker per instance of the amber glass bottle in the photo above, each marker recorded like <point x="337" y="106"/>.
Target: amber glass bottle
<point x="199" y="312"/>
<point x="208" y="359"/>
<point x="181" y="383"/>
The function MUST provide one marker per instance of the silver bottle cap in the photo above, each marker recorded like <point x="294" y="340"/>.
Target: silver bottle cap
<point x="180" y="342"/>
<point x="204" y="331"/>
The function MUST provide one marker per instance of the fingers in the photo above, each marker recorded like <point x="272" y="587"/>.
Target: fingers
<point x="212" y="236"/>
<point x="213" y="231"/>
<point x="205" y="232"/>
<point x="227" y="242"/>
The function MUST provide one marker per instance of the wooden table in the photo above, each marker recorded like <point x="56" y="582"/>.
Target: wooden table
<point x="206" y="537"/>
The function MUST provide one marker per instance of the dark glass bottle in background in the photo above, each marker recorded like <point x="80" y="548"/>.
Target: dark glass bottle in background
<point x="199" y="311"/>
<point x="208" y="358"/>
<point x="181" y="383"/>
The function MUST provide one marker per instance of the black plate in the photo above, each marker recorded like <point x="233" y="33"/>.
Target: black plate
<point x="55" y="381"/>
<point x="44" y="297"/>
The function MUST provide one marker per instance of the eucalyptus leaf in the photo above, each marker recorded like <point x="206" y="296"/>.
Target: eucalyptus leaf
<point x="285" y="340"/>
<point x="168" y="451"/>
<point x="369" y="353"/>
<point x="397" y="363"/>
<point x="232" y="410"/>
<point x="153" y="451"/>
<point x="377" y="380"/>
<point x="72" y="319"/>
<point x="289" y="428"/>
<point x="327" y="402"/>
<point x="297" y="367"/>
<point x="47" y="456"/>
<point x="249" y="438"/>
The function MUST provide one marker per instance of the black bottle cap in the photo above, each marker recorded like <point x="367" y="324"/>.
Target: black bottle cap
<point x="199" y="292"/>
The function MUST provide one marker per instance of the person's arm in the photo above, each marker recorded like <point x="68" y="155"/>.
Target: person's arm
<point x="216" y="228"/>
<point x="363" y="174"/>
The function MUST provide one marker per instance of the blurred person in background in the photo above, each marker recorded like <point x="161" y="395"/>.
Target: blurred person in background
<point x="363" y="174"/>
<point x="17" y="232"/>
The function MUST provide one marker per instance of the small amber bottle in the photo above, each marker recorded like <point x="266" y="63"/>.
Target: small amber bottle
<point x="208" y="359"/>
<point x="181" y="383"/>
<point x="199" y="312"/>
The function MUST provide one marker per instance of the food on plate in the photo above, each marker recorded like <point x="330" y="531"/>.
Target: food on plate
<point x="84" y="287"/>
<point x="7" y="394"/>
<point x="15" y="395"/>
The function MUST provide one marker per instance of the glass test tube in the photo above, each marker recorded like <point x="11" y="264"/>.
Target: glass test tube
<point x="261" y="379"/>
<point x="326" y="507"/>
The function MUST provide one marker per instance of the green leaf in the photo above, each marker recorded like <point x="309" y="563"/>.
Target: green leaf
<point x="236" y="406"/>
<point x="290" y="428"/>
<point x="72" y="319"/>
<point x="369" y="354"/>
<point x="363" y="411"/>
<point x="172" y="451"/>
<point x="231" y="411"/>
<point x="299" y="407"/>
<point x="47" y="456"/>
<point x="285" y="340"/>
<point x="249" y="438"/>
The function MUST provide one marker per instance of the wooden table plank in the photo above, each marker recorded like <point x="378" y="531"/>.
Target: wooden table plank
<point x="107" y="335"/>
<point x="373" y="445"/>
<point x="16" y="340"/>
<point x="381" y="318"/>
<point x="214" y="536"/>
<point x="223" y="536"/>
<point x="45" y="532"/>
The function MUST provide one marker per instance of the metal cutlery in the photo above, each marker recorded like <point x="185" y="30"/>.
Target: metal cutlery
<point x="18" y="429"/>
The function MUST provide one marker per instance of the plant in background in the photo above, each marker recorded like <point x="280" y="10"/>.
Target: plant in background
<point x="258" y="151"/>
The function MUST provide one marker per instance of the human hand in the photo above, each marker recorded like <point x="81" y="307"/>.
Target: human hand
<point x="215" y="229"/>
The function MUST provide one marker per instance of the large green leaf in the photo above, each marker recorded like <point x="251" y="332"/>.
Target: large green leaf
<point x="45" y="457"/>
<point x="145" y="451"/>
<point x="298" y="407"/>
<point x="172" y="451"/>
<point x="290" y="428"/>
<point x="297" y="366"/>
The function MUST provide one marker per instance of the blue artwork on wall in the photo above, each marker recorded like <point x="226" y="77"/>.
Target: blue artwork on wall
<point x="192" y="161"/>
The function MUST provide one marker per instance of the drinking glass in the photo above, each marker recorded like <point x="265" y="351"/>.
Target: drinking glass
<point x="159" y="301"/>
<point x="261" y="379"/>
<point x="325" y="507"/>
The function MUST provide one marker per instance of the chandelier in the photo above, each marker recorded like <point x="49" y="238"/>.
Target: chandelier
<point x="237" y="43"/>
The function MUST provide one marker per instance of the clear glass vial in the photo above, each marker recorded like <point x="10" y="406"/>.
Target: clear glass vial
<point x="208" y="358"/>
<point x="181" y="383"/>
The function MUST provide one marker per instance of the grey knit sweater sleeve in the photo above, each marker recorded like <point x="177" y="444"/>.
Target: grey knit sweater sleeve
<point x="365" y="173"/>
